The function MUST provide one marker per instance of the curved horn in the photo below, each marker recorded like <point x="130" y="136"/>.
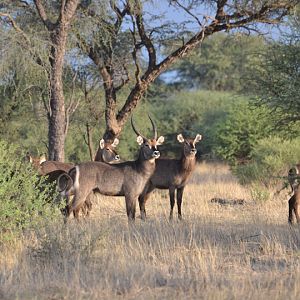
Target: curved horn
<point x="135" y="130"/>
<point x="153" y="128"/>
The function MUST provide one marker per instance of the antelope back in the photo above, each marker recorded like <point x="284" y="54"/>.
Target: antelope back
<point x="50" y="166"/>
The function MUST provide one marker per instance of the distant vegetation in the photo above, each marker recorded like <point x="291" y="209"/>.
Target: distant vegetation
<point x="235" y="98"/>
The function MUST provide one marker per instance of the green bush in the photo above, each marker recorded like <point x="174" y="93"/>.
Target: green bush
<point x="271" y="159"/>
<point x="25" y="198"/>
<point x="189" y="113"/>
<point x="237" y="136"/>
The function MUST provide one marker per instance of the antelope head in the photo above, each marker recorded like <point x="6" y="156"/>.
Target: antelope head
<point x="293" y="177"/>
<point x="189" y="145"/>
<point x="148" y="149"/>
<point x="35" y="161"/>
<point x="108" y="152"/>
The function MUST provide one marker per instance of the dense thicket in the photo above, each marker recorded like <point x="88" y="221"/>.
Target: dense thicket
<point x="25" y="198"/>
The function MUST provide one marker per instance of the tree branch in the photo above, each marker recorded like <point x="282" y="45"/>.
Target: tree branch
<point x="144" y="38"/>
<point x="42" y="13"/>
<point x="27" y="44"/>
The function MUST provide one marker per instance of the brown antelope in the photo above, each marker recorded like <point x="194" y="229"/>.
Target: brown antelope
<point x="49" y="168"/>
<point x="106" y="153"/>
<point x="294" y="201"/>
<point x="56" y="170"/>
<point x="172" y="174"/>
<point x="124" y="179"/>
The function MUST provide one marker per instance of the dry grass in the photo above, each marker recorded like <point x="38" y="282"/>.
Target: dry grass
<point x="217" y="252"/>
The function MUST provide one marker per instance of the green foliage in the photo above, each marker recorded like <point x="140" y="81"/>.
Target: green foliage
<point x="25" y="199"/>
<point x="189" y="113"/>
<point x="271" y="158"/>
<point x="220" y="63"/>
<point x="259" y="193"/>
<point x="275" y="81"/>
<point x="236" y="137"/>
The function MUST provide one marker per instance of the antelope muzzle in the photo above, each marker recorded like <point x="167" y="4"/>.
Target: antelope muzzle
<point x="156" y="154"/>
<point x="193" y="151"/>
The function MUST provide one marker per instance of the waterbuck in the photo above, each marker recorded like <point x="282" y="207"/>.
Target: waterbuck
<point x="124" y="179"/>
<point x="172" y="174"/>
<point x="294" y="201"/>
<point x="56" y="170"/>
<point x="106" y="153"/>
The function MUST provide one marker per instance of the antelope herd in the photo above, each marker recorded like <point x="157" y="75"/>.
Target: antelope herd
<point x="135" y="180"/>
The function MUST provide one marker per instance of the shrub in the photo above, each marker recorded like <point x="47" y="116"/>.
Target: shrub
<point x="25" y="198"/>
<point x="237" y="136"/>
<point x="271" y="159"/>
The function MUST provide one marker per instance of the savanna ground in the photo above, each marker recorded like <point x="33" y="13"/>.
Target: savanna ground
<point x="219" y="251"/>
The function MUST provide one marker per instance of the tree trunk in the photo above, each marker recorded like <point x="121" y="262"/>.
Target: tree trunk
<point x="57" y="120"/>
<point x="57" y="126"/>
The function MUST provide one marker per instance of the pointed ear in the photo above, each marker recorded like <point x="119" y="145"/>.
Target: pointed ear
<point x="102" y="144"/>
<point x="42" y="158"/>
<point x="115" y="143"/>
<point x="140" y="140"/>
<point x="160" y="140"/>
<point x="28" y="157"/>
<point x="180" y="138"/>
<point x="197" y="138"/>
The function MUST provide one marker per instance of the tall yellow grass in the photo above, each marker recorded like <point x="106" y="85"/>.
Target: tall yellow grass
<point x="217" y="252"/>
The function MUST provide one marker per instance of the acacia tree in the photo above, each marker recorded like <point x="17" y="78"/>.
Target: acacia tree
<point x="58" y="32"/>
<point x="129" y="48"/>
<point x="57" y="22"/>
<point x="276" y="84"/>
<point x="228" y="15"/>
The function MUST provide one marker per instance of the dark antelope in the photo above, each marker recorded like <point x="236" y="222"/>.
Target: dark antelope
<point x="294" y="201"/>
<point x="172" y="174"/>
<point x="124" y="179"/>
<point x="106" y="153"/>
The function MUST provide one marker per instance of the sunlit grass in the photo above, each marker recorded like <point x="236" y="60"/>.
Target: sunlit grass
<point x="217" y="252"/>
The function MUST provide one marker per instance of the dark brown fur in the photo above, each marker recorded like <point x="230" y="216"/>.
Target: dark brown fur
<point x="294" y="201"/>
<point x="172" y="174"/>
<point x="125" y="179"/>
<point x="106" y="154"/>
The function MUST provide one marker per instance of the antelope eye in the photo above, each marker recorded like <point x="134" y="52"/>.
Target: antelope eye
<point x="107" y="149"/>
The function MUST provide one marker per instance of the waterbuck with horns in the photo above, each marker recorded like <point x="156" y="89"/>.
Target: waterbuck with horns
<point x="124" y="179"/>
<point x="172" y="174"/>
<point x="294" y="201"/>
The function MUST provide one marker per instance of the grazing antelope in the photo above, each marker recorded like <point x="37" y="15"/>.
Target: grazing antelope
<point x="294" y="201"/>
<point x="172" y="174"/>
<point x="49" y="168"/>
<point x="124" y="179"/>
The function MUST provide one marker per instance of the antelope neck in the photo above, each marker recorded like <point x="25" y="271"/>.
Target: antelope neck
<point x="146" y="167"/>
<point x="188" y="163"/>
